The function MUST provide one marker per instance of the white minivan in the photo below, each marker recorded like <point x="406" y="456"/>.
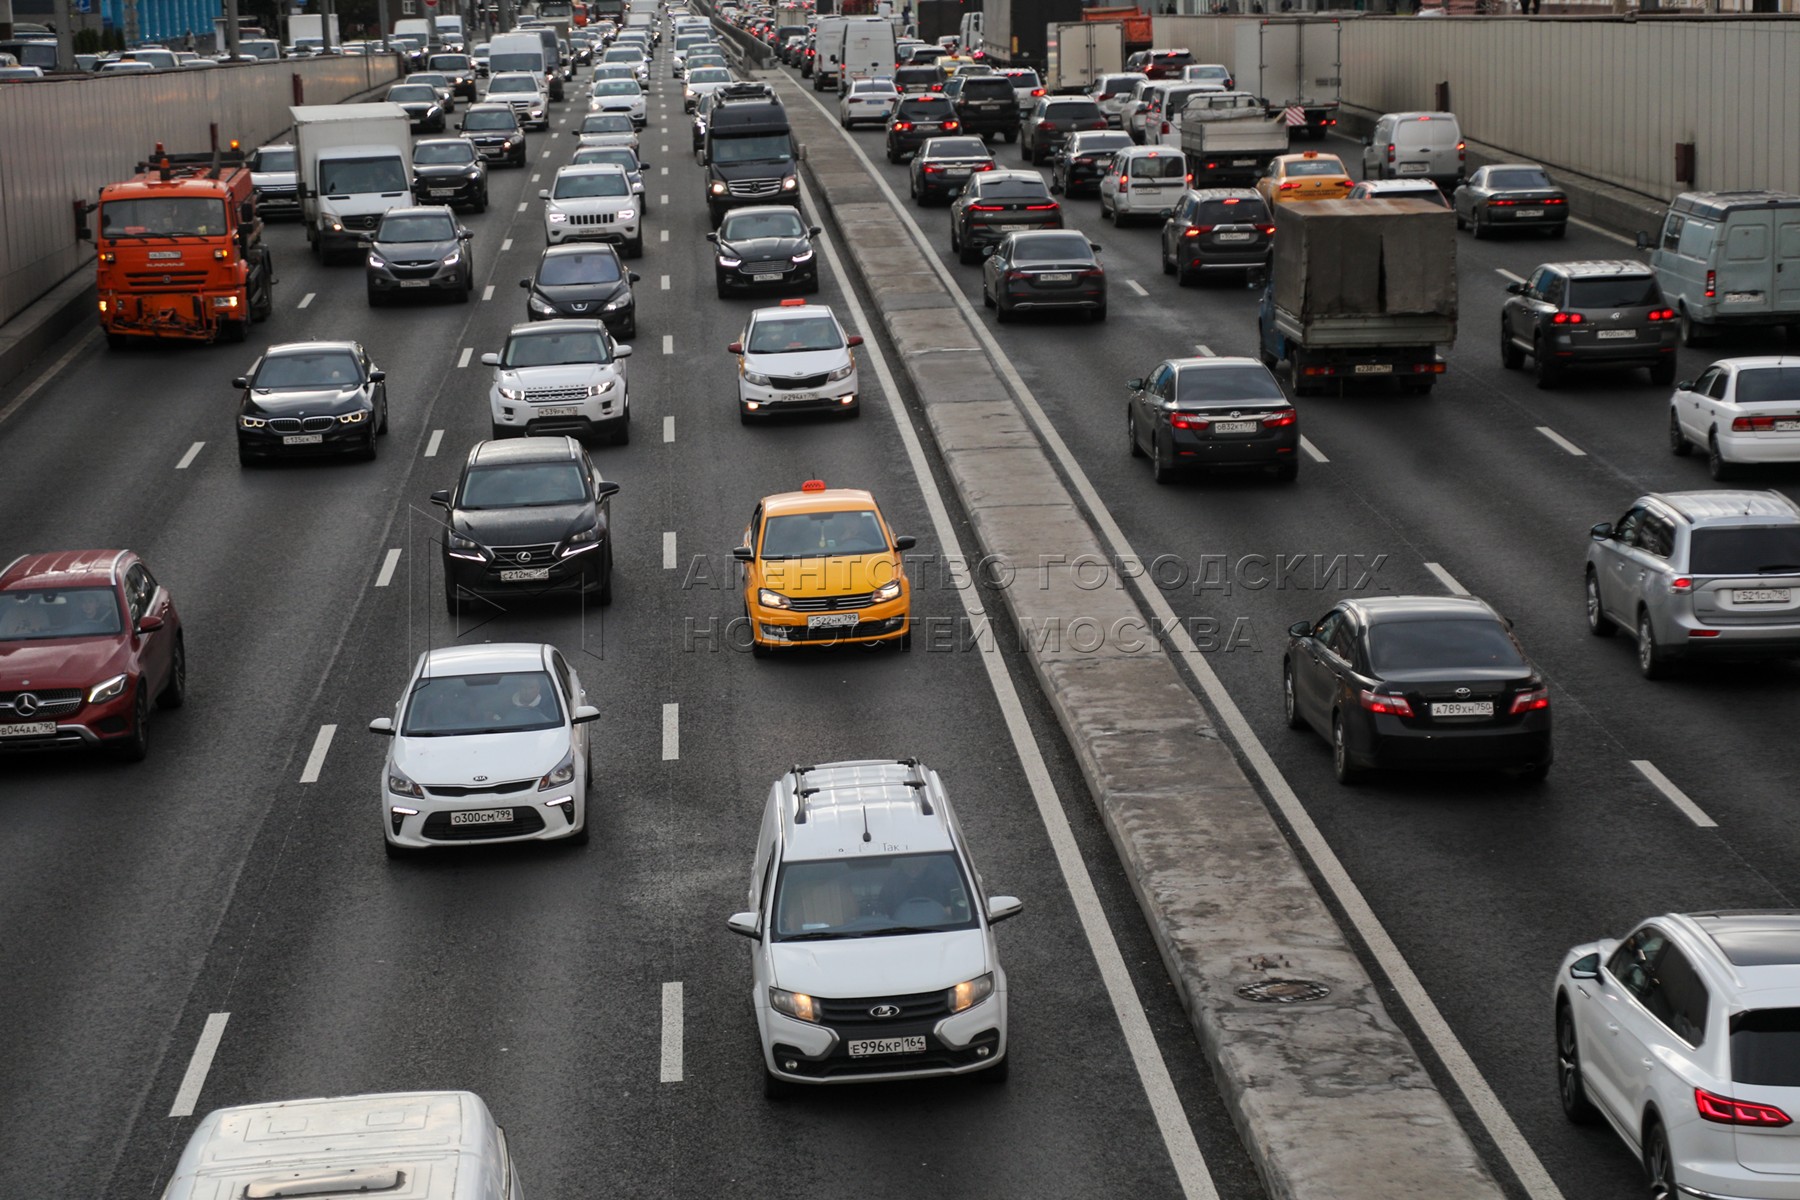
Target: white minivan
<point x="1729" y="258"/>
<point x="1416" y="145"/>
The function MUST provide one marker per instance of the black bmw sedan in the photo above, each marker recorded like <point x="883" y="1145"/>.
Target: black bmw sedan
<point x="311" y="398"/>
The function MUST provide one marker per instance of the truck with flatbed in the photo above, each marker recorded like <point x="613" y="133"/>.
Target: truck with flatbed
<point x="1360" y="291"/>
<point x="1229" y="138"/>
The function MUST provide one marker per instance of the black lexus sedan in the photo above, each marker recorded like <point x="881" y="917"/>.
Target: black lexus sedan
<point x="528" y="517"/>
<point x="449" y="171"/>
<point x="423" y="107"/>
<point x="583" y="279"/>
<point x="765" y="248"/>
<point x="311" y="398"/>
<point x="1433" y="682"/>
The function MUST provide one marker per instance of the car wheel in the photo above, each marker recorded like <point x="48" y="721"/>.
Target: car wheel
<point x="1547" y="374"/>
<point x="375" y="298"/>
<point x="1679" y="446"/>
<point x="1118" y="218"/>
<point x="383" y="426"/>
<point x="579" y="837"/>
<point x="906" y="641"/>
<point x="1481" y="226"/>
<point x="606" y="578"/>
<point x="1653" y="660"/>
<point x="1663" y="373"/>
<point x="1511" y="357"/>
<point x="1012" y="135"/>
<point x="245" y="458"/>
<point x="396" y="852"/>
<point x="1342" y="768"/>
<point x="1131" y="436"/>
<point x="137" y="746"/>
<point x="1716" y="466"/>
<point x="1158" y="471"/>
<point x="1559" y="231"/>
<point x="1599" y="624"/>
<point x="1168" y="264"/>
<point x="987" y="297"/>
<point x="174" y="693"/>
<point x="482" y="203"/>
<point x="373" y="446"/>
<point x="635" y="247"/>
<point x="1460" y="223"/>
<point x="1290" y="707"/>
<point x="1659" y="1164"/>
<point x="997" y="1074"/>
<point x="1693" y="333"/>
<point x="1003" y="314"/>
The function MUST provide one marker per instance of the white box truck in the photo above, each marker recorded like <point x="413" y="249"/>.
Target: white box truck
<point x="309" y="30"/>
<point x="1294" y="65"/>
<point x="1079" y="52"/>
<point x="355" y="163"/>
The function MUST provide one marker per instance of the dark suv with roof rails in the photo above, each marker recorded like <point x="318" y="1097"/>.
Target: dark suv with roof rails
<point x="1582" y="314"/>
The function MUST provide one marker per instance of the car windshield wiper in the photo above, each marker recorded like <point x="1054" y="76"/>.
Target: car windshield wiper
<point x="1783" y="567"/>
<point x="818" y="935"/>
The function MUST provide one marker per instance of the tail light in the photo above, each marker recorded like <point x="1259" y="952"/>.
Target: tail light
<point x="902" y="126"/>
<point x="1660" y="314"/>
<point x="930" y="170"/>
<point x="1377" y="702"/>
<point x="1266" y="229"/>
<point x="1530" y="701"/>
<point x="1290" y="186"/>
<point x="987" y="208"/>
<point x="1346" y="183"/>
<point x="1682" y="584"/>
<point x="1188" y="179"/>
<point x="1197" y="230"/>
<point x="1462" y="151"/>
<point x="1124" y="183"/>
<point x="1554" y="200"/>
<point x="1050" y="207"/>
<point x="1015" y="276"/>
<point x="1211" y="166"/>
<point x="1037" y="91"/>
<point x="949" y="125"/>
<point x="1093" y="273"/>
<point x="1187" y="421"/>
<point x="1722" y="1111"/>
<point x="986" y="166"/>
<point x="1502" y="203"/>
<point x="1712" y="279"/>
<point x="1165" y="127"/>
<point x="1756" y="424"/>
<point x="1047" y="127"/>
<point x="1390" y="154"/>
<point x="1566" y="319"/>
<point x="1281" y="419"/>
<point x="937" y="87"/>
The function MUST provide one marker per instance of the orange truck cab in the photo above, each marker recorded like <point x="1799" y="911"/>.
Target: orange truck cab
<point x="180" y="250"/>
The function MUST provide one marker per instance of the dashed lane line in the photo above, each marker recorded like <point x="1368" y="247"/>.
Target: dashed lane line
<point x="671" y="1032"/>
<point x="1673" y="794"/>
<point x="487" y="293"/>
<point x="305" y="300"/>
<point x="671" y="732"/>
<point x="315" y="762"/>
<point x="187" y="459"/>
<point x="467" y="354"/>
<point x="1447" y="579"/>
<point x="388" y="562"/>
<point x="668" y="430"/>
<point x="1137" y="287"/>
<point x="1312" y="451"/>
<point x="431" y="447"/>
<point x="1562" y="441"/>
<point x="187" y="1096"/>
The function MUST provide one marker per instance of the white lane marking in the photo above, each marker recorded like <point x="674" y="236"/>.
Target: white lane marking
<point x="1204" y="351"/>
<point x="188" y="458"/>
<point x="51" y="372"/>
<point x="506" y="245"/>
<point x="467" y="354"/>
<point x="1593" y="228"/>
<point x="668" y="343"/>
<point x="315" y="762"/>
<point x="1447" y="579"/>
<point x="1137" y="287"/>
<point x="1673" y="794"/>
<point x="671" y="730"/>
<point x="522" y="206"/>
<point x="665" y="148"/>
<point x="664" y="170"/>
<point x="1562" y="441"/>
<point x="1140" y="1040"/>
<point x="1312" y="451"/>
<point x="431" y="447"/>
<point x="487" y="293"/>
<point x="665" y="236"/>
<point x="305" y="300"/>
<point x="188" y="1094"/>
<point x="671" y="1032"/>
<point x="1504" y="273"/>
<point x="388" y="564"/>
<point x="668" y="429"/>
<point x="546" y="154"/>
<point x="663" y="199"/>
<point x="1480" y="1094"/>
<point x="535" y="178"/>
<point x="668" y="550"/>
<point x="665" y="283"/>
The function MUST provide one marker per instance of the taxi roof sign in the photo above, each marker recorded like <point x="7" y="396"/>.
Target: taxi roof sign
<point x="793" y="302"/>
<point x="813" y="485"/>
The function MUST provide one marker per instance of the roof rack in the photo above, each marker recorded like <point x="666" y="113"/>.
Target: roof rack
<point x="800" y="793"/>
<point x="918" y="783"/>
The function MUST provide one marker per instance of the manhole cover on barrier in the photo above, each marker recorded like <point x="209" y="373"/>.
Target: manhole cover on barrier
<point x="1284" y="991"/>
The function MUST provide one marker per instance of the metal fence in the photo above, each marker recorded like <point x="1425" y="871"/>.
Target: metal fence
<point x="61" y="140"/>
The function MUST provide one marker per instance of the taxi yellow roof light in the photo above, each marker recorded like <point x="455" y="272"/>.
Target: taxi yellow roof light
<point x="813" y="485"/>
<point x="793" y="302"/>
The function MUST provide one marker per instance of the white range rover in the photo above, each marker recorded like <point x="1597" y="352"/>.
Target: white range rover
<point x="564" y="377"/>
<point x="595" y="204"/>
<point x="873" y="947"/>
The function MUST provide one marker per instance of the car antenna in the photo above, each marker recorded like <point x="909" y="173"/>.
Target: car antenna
<point x="865" y="812"/>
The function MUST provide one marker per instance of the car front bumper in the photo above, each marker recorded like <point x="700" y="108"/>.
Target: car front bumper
<point x="960" y="1044"/>
<point x="91" y="725"/>
<point x="876" y="623"/>
<point x="536" y="816"/>
<point x="597" y="414"/>
<point x="617" y="233"/>
<point x="339" y="439"/>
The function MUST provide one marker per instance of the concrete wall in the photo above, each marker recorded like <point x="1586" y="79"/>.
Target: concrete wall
<point x="64" y="139"/>
<point x="1606" y="97"/>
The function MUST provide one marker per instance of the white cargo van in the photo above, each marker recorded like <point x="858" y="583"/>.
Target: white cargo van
<point x="1729" y="258"/>
<point x="405" y="1145"/>
<point x="1416" y="145"/>
<point x="355" y="163"/>
<point x="868" y="50"/>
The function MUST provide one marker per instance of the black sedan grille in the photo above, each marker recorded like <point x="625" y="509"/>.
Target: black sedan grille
<point x="363" y="224"/>
<point x="924" y="1006"/>
<point x="525" y="820"/>
<point x="766" y="268"/>
<point x="300" y="424"/>
<point x="485" y="789"/>
<point x="44" y="705"/>
<point x="831" y="603"/>
<point x="797" y="382"/>
<point x="527" y="556"/>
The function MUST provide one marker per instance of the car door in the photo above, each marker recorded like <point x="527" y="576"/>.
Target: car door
<point x="573" y="698"/>
<point x="1614" y="1044"/>
<point x="1315" y="671"/>
<point x="1617" y="573"/>
<point x="1375" y="153"/>
<point x="1157" y="392"/>
<point x="156" y="649"/>
<point x="1696" y="408"/>
<point x="1520" y="312"/>
<point x="993" y="269"/>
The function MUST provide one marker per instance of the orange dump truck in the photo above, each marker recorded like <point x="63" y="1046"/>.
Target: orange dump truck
<point x="180" y="250"/>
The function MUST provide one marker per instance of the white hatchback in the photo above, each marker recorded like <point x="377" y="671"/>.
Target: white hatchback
<point x="490" y="744"/>
<point x="593" y="203"/>
<point x="867" y="101"/>
<point x="795" y="358"/>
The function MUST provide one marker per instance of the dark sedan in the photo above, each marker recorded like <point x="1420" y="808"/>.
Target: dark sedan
<point x="495" y="130"/>
<point x="583" y="280"/>
<point x="422" y="250"/>
<point x="997" y="203"/>
<point x="1511" y="196"/>
<point x="917" y="119"/>
<point x="1434" y="682"/>
<point x="1194" y="413"/>
<point x="1044" y="271"/>
<point x="942" y="167"/>
<point x="529" y="516"/>
<point x="423" y="107"/>
<point x="311" y="398"/>
<point x="1216" y="229"/>
<point x="765" y="248"/>
<point x="1078" y="164"/>
<point x="449" y="171"/>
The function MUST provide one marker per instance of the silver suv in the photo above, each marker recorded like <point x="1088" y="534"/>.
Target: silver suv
<point x="1699" y="575"/>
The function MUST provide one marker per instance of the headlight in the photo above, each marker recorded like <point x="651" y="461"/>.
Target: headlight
<point x="756" y="378"/>
<point x="375" y="260"/>
<point x="621" y="302"/>
<point x="507" y="144"/>
<point x="252" y="422"/>
<point x="473" y="170"/>
<point x="401" y="785"/>
<point x="337" y="226"/>
<point x="586" y="537"/>
<point x="798" y="1005"/>
<point x="789" y="183"/>
<point x="806" y="256"/>
<point x="730" y="263"/>
<point x="353" y="418"/>
<point x="537" y="304"/>
<point x="717" y="188"/>
<point x="507" y="393"/>
<point x="625" y="214"/>
<point x="888" y="591"/>
<point x="452" y="258"/>
<point x="843" y="372"/>
<point x="554" y="217"/>
<point x="563" y="774"/>
<point x="769" y="599"/>
<point x="457" y="541"/>
<point x="107" y="690"/>
<point x="600" y="389"/>
<point x="969" y="994"/>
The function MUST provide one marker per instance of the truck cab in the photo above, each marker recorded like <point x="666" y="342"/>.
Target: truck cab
<point x="749" y="151"/>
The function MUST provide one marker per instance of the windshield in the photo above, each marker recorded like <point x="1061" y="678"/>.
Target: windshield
<point x="515" y="62"/>
<point x="1445" y="646"/>
<point x="955" y="148"/>
<point x="871" y="897"/>
<point x="523" y="485"/>
<point x="1013" y="189"/>
<point x="419" y="228"/>
<point x="1052" y="248"/>
<point x="925" y="75"/>
<point x="516" y="84"/>
<point x="762" y="225"/>
<point x="604" y="183"/>
<point x="555" y="349"/>
<point x="1518" y="178"/>
<point x="1748" y="550"/>
<point x="359" y="176"/>
<point x="1023" y="79"/>
<point x="1315" y="166"/>
<point x="761" y="147"/>
<point x="616" y="87"/>
<point x="168" y="216"/>
<point x="1099" y="143"/>
<point x="1768" y="385"/>
<point x="39" y="614"/>
<point x="591" y="266"/>
<point x="709" y="75"/>
<point x="412" y="93"/>
<point x="1214" y="385"/>
<point x="453" y="705"/>
<point x="311" y="369"/>
<point x="624" y="54"/>
<point x="1765" y="1047"/>
<point x="274" y="161"/>
<point x="823" y="535"/>
<point x="607" y="123"/>
<point x="427" y="154"/>
<point x="435" y="82"/>
<point x="1086" y="110"/>
<point x="1232" y="210"/>
<point x="794" y="335"/>
<point x="490" y="120"/>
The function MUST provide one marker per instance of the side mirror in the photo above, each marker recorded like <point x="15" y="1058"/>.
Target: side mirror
<point x="584" y="713"/>
<point x="240" y="382"/>
<point x="744" y="923"/>
<point x="712" y="237"/>
<point x="743" y="554"/>
<point x="905" y="541"/>
<point x="855" y="339"/>
<point x="524" y="283"/>
<point x="1094" y="246"/>
<point x="1000" y="908"/>
<point x="1368" y="141"/>
<point x="149" y="624"/>
<point x="1136" y="385"/>
<point x="463" y="234"/>
<point x="382" y="725"/>
<point x="632" y="276"/>
<point x="735" y="348"/>
<point x="459" y="126"/>
<point x="1585" y="967"/>
<point x="644" y="166"/>
<point x="490" y="359"/>
<point x="815" y="230"/>
<point x="604" y="489"/>
<point x="800" y="154"/>
<point x="621" y="351"/>
<point x="1643" y="243"/>
<point x="441" y="497"/>
<point x="1300" y="629"/>
<point x="1684" y="385"/>
<point x="1515" y="289"/>
<point x="1601" y="532"/>
<point x="377" y="376"/>
<point x="543" y="193"/>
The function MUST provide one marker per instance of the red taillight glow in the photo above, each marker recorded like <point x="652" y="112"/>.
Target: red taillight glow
<point x="1712" y="279"/>
<point x="902" y="126"/>
<point x="1197" y="230"/>
<point x="1502" y="203"/>
<point x="1390" y="154"/>
<point x="1757" y="424"/>
<point x="1566" y="319"/>
<point x="1462" y="151"/>
<point x="1554" y="201"/>
<point x="1185" y="421"/>
<point x="1047" y="127"/>
<point x="1681" y="584"/>
<point x="1124" y="183"/>
<point x="1268" y="229"/>
<point x="987" y="208"/>
<point x="1281" y="419"/>
<point x="931" y="170"/>
<point x="1530" y="701"/>
<point x="1738" y="1112"/>
<point x="1377" y="702"/>
<point x="1660" y="314"/>
<point x="949" y="125"/>
<point x="1289" y="186"/>
<point x="1037" y="91"/>
<point x="1051" y="207"/>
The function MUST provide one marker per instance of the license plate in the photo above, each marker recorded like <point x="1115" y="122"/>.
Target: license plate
<point x="795" y="396"/>
<point x="557" y="410"/>
<point x="869" y="1047"/>
<point x="525" y="575"/>
<point x="29" y="729"/>
<point x="1057" y="277"/>
<point x="1234" y="426"/>
<point x="1530" y="212"/>
<point x="1243" y="162"/>
<point x="1762" y="595"/>
<point x="771" y="277"/>
<point x="442" y="191"/>
<point x="1787" y="426"/>
<point x="1740" y="297"/>
<point x="1615" y="334"/>
<point x="954" y="173"/>
<point x="1234" y="237"/>
<point x="303" y="439"/>
<point x="1412" y="168"/>
<point x="1011" y="228"/>
<point x="415" y="283"/>
<point x="1463" y="708"/>
<point x="832" y="621"/>
<point x="482" y="816"/>
<point x="1374" y="368"/>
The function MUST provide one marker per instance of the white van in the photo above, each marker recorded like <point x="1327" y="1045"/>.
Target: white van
<point x="407" y="1145"/>
<point x="1729" y="258"/>
<point x="1416" y="145"/>
<point x="868" y="51"/>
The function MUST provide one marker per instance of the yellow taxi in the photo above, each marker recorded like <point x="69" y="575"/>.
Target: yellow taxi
<point x="1308" y="176"/>
<point x="821" y="566"/>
